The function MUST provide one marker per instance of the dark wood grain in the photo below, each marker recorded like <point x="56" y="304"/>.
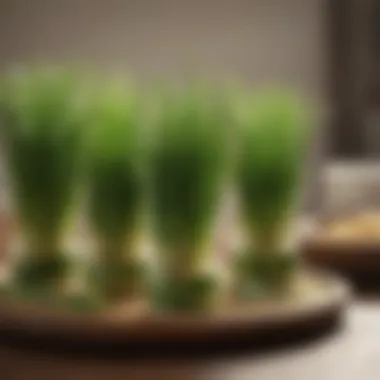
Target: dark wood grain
<point x="315" y="304"/>
<point x="352" y="354"/>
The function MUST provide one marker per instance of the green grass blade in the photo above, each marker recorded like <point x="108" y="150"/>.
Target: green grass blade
<point x="115" y="164"/>
<point x="186" y="169"/>
<point x="273" y="143"/>
<point x="42" y="119"/>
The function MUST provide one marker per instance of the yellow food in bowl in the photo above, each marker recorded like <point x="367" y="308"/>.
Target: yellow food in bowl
<point x="360" y="227"/>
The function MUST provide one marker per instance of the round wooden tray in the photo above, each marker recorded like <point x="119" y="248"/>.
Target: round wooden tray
<point x="314" y="304"/>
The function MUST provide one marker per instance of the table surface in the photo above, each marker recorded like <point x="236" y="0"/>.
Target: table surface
<point x="350" y="354"/>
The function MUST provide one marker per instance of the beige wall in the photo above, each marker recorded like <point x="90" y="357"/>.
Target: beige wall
<point x="261" y="40"/>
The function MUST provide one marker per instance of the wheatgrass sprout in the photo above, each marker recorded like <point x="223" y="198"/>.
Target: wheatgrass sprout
<point x="270" y="160"/>
<point x="115" y="187"/>
<point x="187" y="165"/>
<point x="42" y="114"/>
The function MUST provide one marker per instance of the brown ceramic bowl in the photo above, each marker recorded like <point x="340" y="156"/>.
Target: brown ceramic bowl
<point x="348" y="243"/>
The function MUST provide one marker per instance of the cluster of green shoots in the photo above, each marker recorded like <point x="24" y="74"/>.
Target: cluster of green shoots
<point x="187" y="169"/>
<point x="64" y="144"/>
<point x="42" y="119"/>
<point x="115" y="167"/>
<point x="269" y="167"/>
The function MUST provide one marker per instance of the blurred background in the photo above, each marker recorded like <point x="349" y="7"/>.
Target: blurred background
<point x="328" y="50"/>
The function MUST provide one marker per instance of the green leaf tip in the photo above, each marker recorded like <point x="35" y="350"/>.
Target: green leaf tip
<point x="43" y="117"/>
<point x="274" y="134"/>
<point x="187" y="167"/>
<point x="115" y="164"/>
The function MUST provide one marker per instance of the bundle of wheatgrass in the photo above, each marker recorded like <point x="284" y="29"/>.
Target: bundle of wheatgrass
<point x="42" y="117"/>
<point x="187" y="165"/>
<point x="273" y="137"/>
<point x="115" y="164"/>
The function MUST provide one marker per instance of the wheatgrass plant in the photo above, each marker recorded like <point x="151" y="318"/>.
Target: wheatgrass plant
<point x="116" y="187"/>
<point x="271" y="156"/>
<point x="42" y="117"/>
<point x="186" y="170"/>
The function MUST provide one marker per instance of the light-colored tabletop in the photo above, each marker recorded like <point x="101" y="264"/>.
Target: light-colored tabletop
<point x="351" y="354"/>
